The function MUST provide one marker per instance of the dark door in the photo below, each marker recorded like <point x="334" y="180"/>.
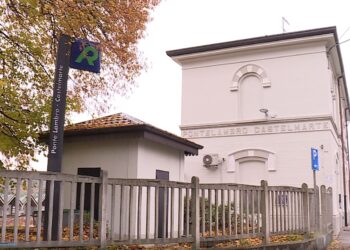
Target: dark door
<point x="163" y="194"/>
<point x="95" y="172"/>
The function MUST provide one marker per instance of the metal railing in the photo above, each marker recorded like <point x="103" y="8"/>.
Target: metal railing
<point x="102" y="210"/>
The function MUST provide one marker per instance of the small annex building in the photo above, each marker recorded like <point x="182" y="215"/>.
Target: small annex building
<point x="126" y="147"/>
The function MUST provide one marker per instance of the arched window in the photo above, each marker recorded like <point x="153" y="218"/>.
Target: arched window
<point x="250" y="69"/>
<point x="250" y="98"/>
<point x="249" y="81"/>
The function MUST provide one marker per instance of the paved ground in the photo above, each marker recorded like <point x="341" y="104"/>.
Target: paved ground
<point x="342" y="242"/>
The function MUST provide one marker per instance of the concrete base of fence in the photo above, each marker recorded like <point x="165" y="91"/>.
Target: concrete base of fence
<point x="319" y="243"/>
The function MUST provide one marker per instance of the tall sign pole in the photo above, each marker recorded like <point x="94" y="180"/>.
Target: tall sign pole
<point x="79" y="54"/>
<point x="58" y="109"/>
<point x="59" y="105"/>
<point x="315" y="167"/>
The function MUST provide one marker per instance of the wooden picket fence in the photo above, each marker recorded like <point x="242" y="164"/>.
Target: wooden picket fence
<point x="99" y="211"/>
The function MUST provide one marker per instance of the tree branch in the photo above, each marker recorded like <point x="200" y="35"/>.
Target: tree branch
<point x="8" y="117"/>
<point x="23" y="50"/>
<point x="10" y="130"/>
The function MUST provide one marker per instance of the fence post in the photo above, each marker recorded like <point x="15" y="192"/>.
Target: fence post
<point x="324" y="212"/>
<point x="314" y="209"/>
<point x="317" y="209"/>
<point x="306" y="207"/>
<point x="265" y="211"/>
<point x="195" y="213"/>
<point x="102" y="216"/>
<point x="330" y="206"/>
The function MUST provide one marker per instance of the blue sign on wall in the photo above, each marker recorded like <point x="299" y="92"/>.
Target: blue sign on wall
<point x="85" y="55"/>
<point x="314" y="159"/>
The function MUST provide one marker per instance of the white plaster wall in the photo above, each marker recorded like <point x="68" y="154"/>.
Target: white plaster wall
<point x="336" y="166"/>
<point x="124" y="157"/>
<point x="154" y="156"/>
<point x="293" y="157"/>
<point x="114" y="153"/>
<point x="296" y="90"/>
<point x="292" y="162"/>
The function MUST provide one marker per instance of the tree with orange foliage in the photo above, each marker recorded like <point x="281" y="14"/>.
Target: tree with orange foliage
<point x="29" y="31"/>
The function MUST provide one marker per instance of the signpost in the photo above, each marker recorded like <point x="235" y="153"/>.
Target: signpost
<point x="78" y="54"/>
<point x="314" y="160"/>
<point x="315" y="167"/>
<point x="314" y="163"/>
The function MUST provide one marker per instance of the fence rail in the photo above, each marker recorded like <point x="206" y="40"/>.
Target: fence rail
<point x="102" y="210"/>
<point x="148" y="211"/>
<point x="40" y="186"/>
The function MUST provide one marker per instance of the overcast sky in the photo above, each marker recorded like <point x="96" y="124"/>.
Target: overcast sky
<point x="185" y="23"/>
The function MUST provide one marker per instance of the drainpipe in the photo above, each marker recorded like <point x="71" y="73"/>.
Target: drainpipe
<point x="347" y="139"/>
<point x="342" y="152"/>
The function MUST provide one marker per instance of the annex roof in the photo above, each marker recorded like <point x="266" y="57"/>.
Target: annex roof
<point x="123" y="123"/>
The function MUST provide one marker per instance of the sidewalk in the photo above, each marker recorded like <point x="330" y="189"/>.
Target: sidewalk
<point x="342" y="241"/>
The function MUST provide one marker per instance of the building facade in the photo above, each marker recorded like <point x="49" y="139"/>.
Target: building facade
<point x="259" y="105"/>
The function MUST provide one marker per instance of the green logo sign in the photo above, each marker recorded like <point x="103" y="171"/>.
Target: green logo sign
<point x="85" y="55"/>
<point x="90" y="57"/>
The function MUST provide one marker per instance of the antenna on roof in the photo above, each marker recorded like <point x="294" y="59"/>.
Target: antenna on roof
<point x="284" y="20"/>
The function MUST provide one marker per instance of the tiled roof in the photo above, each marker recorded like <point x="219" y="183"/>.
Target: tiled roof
<point x="121" y="123"/>
<point x="111" y="121"/>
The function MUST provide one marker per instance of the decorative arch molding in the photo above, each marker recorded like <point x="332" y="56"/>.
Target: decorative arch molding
<point x="250" y="69"/>
<point x="251" y="155"/>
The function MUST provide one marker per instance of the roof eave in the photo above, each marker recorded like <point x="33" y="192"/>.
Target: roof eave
<point x="189" y="147"/>
<point x="144" y="130"/>
<point x="251" y="41"/>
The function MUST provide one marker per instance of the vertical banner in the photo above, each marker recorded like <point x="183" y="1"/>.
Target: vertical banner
<point x="54" y="162"/>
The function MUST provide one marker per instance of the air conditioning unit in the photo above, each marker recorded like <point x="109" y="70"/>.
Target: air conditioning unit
<point x="211" y="160"/>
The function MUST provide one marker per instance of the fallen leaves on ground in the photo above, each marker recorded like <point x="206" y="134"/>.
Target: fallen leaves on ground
<point x="227" y="232"/>
<point x="173" y="246"/>
<point x="335" y="245"/>
<point x="240" y="243"/>
<point x="248" y="242"/>
<point x="286" y="238"/>
<point x="65" y="233"/>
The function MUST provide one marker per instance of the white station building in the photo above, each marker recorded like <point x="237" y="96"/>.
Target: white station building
<point x="259" y="105"/>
